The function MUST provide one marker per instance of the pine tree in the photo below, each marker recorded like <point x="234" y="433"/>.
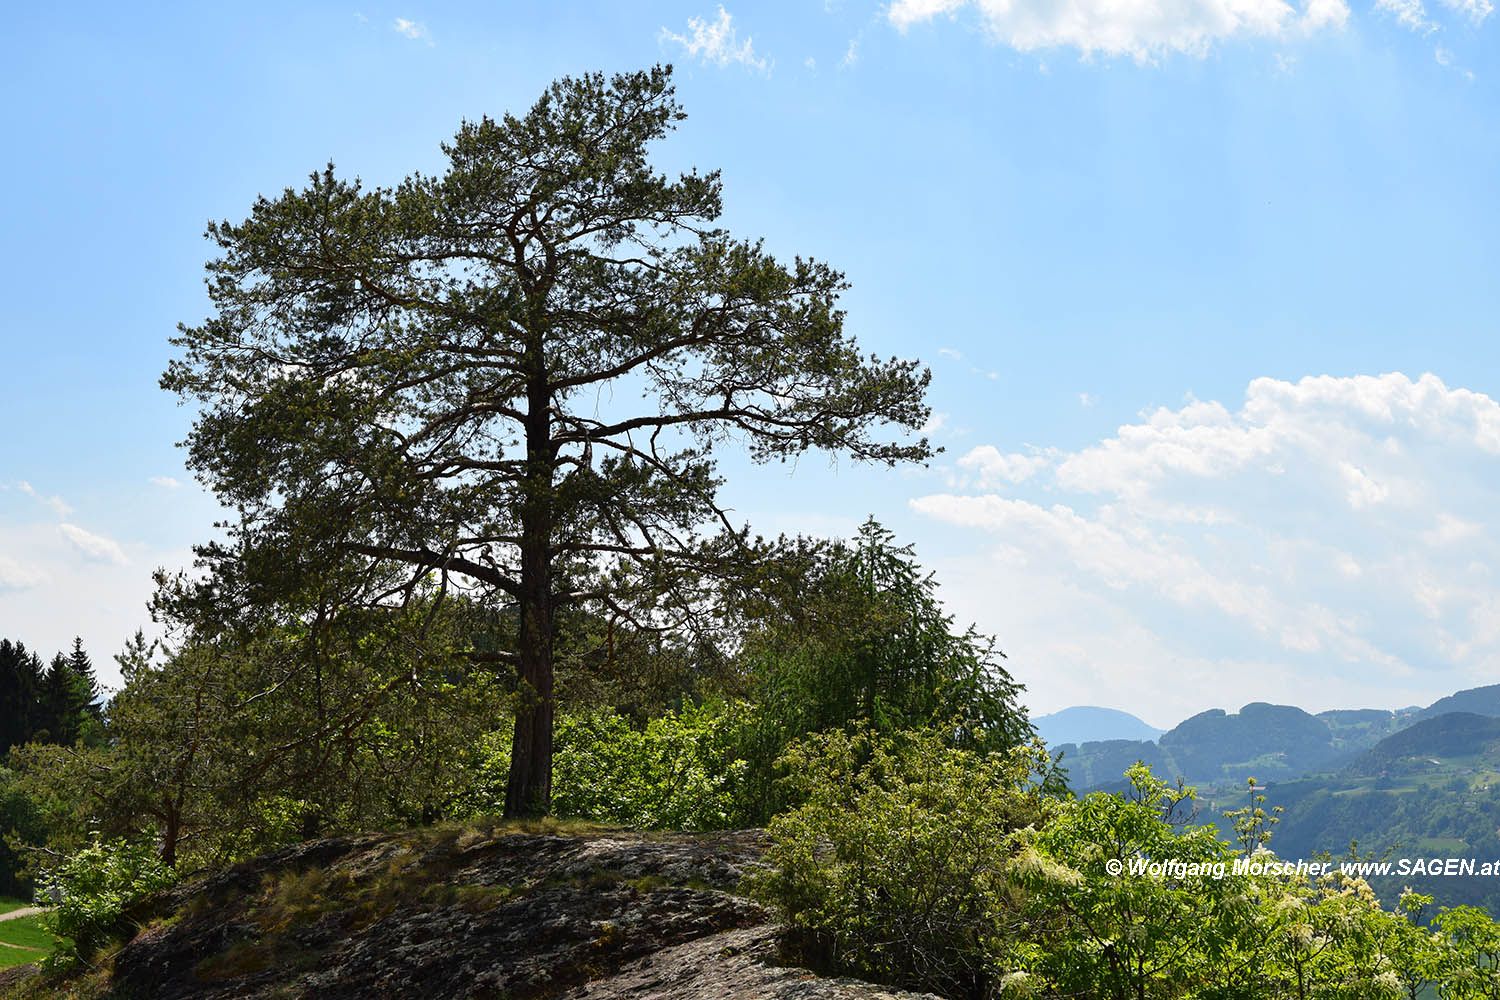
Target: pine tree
<point x="399" y="387"/>
<point x="20" y="686"/>
<point x="54" y="719"/>
<point x="86" y="685"/>
<point x="67" y="711"/>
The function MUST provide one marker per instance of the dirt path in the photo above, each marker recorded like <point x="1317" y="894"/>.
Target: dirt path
<point x="24" y="911"/>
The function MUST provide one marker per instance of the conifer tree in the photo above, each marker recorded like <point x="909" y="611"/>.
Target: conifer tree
<point x="20" y="687"/>
<point x="512" y="378"/>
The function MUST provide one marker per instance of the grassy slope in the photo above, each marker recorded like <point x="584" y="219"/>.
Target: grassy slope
<point x="34" y="943"/>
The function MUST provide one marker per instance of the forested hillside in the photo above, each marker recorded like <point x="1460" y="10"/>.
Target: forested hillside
<point x="1419" y="782"/>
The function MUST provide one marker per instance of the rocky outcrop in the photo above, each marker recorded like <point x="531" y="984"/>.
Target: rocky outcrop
<point x="473" y="913"/>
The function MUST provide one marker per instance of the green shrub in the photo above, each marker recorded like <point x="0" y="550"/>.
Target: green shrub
<point x="97" y="885"/>
<point x="894" y="867"/>
<point x="681" y="772"/>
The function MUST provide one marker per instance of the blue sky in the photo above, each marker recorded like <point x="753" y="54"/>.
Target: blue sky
<point x="1207" y="287"/>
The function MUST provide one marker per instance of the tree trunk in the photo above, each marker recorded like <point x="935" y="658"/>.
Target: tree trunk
<point x="171" y="832"/>
<point x="529" y="789"/>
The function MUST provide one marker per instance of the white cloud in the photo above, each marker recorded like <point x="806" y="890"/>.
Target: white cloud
<point x="851" y="55"/>
<point x="936" y="422"/>
<point x="50" y="591"/>
<point x="1408" y="13"/>
<point x="165" y="482"/>
<point x="1362" y="490"/>
<point x="1450" y="529"/>
<point x="1475" y="10"/>
<point x="57" y="505"/>
<point x="1086" y="399"/>
<point x="411" y="29"/>
<point x="1337" y="528"/>
<point x="1443" y="56"/>
<point x="1141" y="29"/>
<point x="949" y="352"/>
<point x="989" y="469"/>
<point x="16" y="575"/>
<point x="93" y="546"/>
<point x="716" y="42"/>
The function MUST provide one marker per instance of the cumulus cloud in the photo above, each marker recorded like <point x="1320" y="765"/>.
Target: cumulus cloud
<point x="1334" y="528"/>
<point x="93" y="546"/>
<point x="936" y="422"/>
<point x="988" y="468"/>
<point x="716" y="42"/>
<point x="1141" y="29"/>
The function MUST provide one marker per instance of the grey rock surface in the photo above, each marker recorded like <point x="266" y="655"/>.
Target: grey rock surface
<point x="474" y="913"/>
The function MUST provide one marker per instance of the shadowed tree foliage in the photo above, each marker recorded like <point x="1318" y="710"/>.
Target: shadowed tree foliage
<point x="21" y="676"/>
<point x="512" y="378"/>
<point x="55" y="704"/>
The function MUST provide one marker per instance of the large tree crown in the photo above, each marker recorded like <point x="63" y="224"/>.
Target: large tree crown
<point x="416" y="373"/>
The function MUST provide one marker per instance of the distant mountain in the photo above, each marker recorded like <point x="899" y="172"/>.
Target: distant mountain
<point x="1100" y="766"/>
<point x="1479" y="701"/>
<point x="1089" y="724"/>
<point x="1261" y="741"/>
<point x="1432" y="745"/>
<point x="1356" y="730"/>
<point x="1216" y="751"/>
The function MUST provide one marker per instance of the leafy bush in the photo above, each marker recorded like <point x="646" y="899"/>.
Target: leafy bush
<point x="97" y="886"/>
<point x="682" y="771"/>
<point x="938" y="869"/>
<point x="894" y="865"/>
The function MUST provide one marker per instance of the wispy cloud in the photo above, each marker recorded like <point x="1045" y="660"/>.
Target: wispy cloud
<point x="716" y="42"/>
<point x="56" y="503"/>
<point x="851" y="55"/>
<point x="1409" y="14"/>
<point x="415" y="30"/>
<point x="1475" y="10"/>
<point x="166" y="482"/>
<point x="93" y="546"/>
<point x="1140" y="29"/>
